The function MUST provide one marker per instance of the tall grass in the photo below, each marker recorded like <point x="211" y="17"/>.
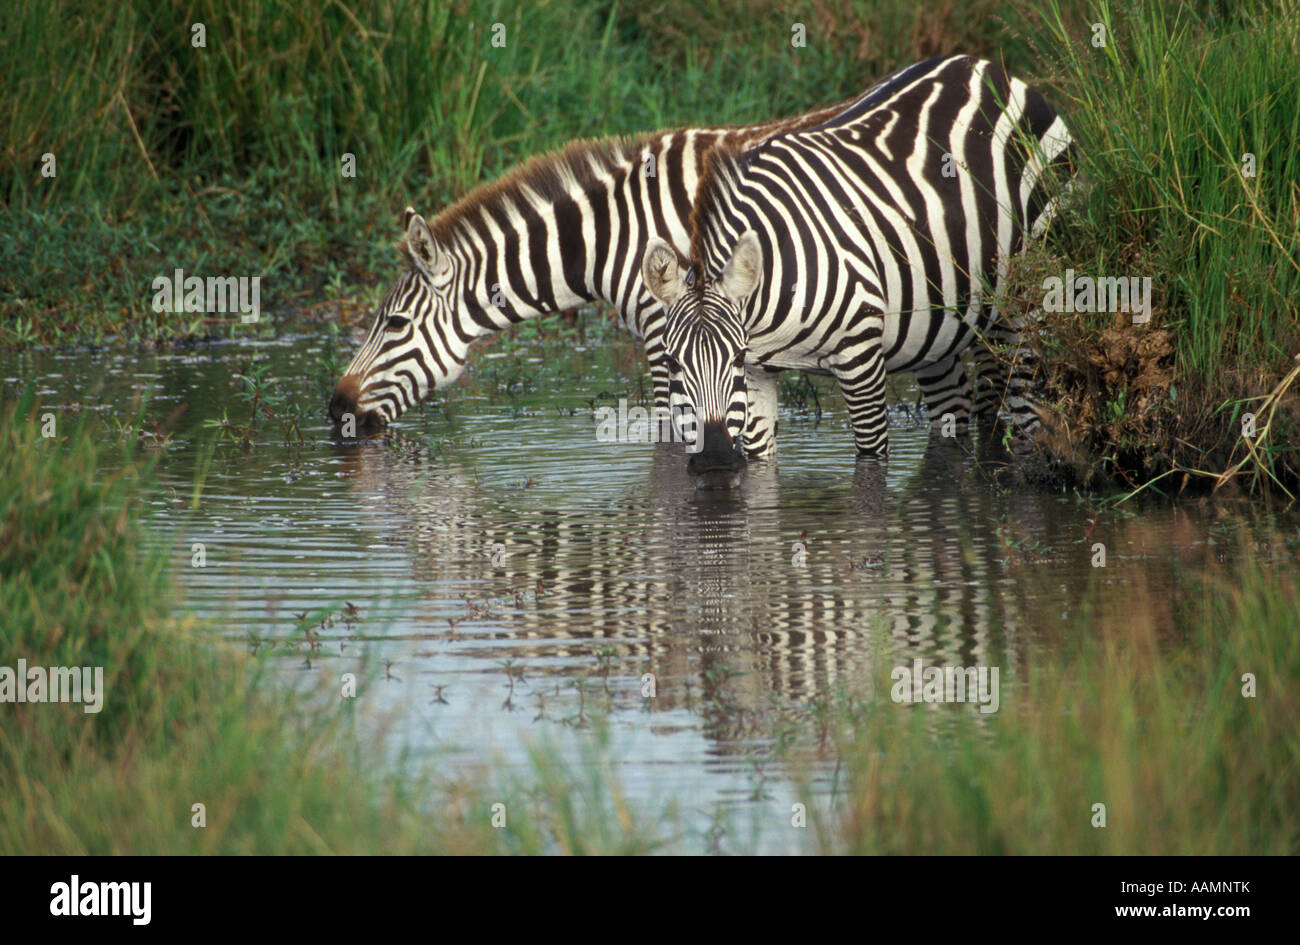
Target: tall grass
<point x="426" y="94"/>
<point x="1196" y="170"/>
<point x="1187" y="119"/>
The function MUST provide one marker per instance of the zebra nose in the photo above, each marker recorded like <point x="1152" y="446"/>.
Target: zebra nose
<point x="720" y="454"/>
<point x="345" y="398"/>
<point x="703" y="463"/>
<point x="344" y="402"/>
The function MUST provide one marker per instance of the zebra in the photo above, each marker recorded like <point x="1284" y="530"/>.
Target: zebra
<point x="875" y="242"/>
<point x="563" y="229"/>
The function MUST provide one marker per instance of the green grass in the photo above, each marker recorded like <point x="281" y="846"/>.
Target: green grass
<point x="1169" y="181"/>
<point x="1188" y="119"/>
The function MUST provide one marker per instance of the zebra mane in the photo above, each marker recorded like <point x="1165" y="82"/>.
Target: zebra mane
<point x="549" y="176"/>
<point x="719" y="179"/>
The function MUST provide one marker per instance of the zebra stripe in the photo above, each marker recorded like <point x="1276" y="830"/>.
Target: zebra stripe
<point x="875" y="242"/>
<point x="563" y="230"/>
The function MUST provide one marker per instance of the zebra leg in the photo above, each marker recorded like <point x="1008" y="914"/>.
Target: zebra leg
<point x="947" y="392"/>
<point x="760" y="419"/>
<point x="660" y="384"/>
<point x="859" y="366"/>
<point x="1007" y="377"/>
<point x="649" y="327"/>
<point x="990" y="387"/>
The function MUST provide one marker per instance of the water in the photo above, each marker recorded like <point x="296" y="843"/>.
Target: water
<point x="503" y="578"/>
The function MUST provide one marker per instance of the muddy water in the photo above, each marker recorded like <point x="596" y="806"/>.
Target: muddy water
<point x="498" y="577"/>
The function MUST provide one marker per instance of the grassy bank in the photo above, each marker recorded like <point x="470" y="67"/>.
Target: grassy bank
<point x="1188" y="118"/>
<point x="1157" y="730"/>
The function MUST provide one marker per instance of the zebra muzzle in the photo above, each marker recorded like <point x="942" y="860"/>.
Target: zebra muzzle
<point x="344" y="404"/>
<point x="720" y="456"/>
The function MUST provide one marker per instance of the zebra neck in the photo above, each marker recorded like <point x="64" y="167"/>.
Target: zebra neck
<point x="516" y="269"/>
<point x="536" y="244"/>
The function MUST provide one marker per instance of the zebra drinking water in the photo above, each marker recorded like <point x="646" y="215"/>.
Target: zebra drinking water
<point x="875" y="242"/>
<point x="562" y="230"/>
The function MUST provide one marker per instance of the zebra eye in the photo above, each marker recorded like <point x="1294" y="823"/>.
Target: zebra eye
<point x="397" y="322"/>
<point x="673" y="366"/>
<point x="740" y="359"/>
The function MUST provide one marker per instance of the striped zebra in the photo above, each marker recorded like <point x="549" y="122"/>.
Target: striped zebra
<point x="875" y="242"/>
<point x="562" y="230"/>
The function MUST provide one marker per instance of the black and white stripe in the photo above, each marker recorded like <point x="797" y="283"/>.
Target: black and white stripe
<point x="562" y="230"/>
<point x="876" y="242"/>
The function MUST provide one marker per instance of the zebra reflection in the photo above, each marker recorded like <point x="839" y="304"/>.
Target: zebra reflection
<point x="791" y="590"/>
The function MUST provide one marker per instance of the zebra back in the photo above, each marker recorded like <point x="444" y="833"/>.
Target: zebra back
<point x="883" y="234"/>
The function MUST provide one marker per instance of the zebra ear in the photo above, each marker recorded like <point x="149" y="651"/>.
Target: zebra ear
<point x="419" y="240"/>
<point x="740" y="274"/>
<point x="662" y="271"/>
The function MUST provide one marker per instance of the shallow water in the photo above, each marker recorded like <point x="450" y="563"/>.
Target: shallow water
<point x="505" y="579"/>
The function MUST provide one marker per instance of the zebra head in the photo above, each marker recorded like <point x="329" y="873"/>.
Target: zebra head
<point x="414" y="345"/>
<point x="705" y="342"/>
